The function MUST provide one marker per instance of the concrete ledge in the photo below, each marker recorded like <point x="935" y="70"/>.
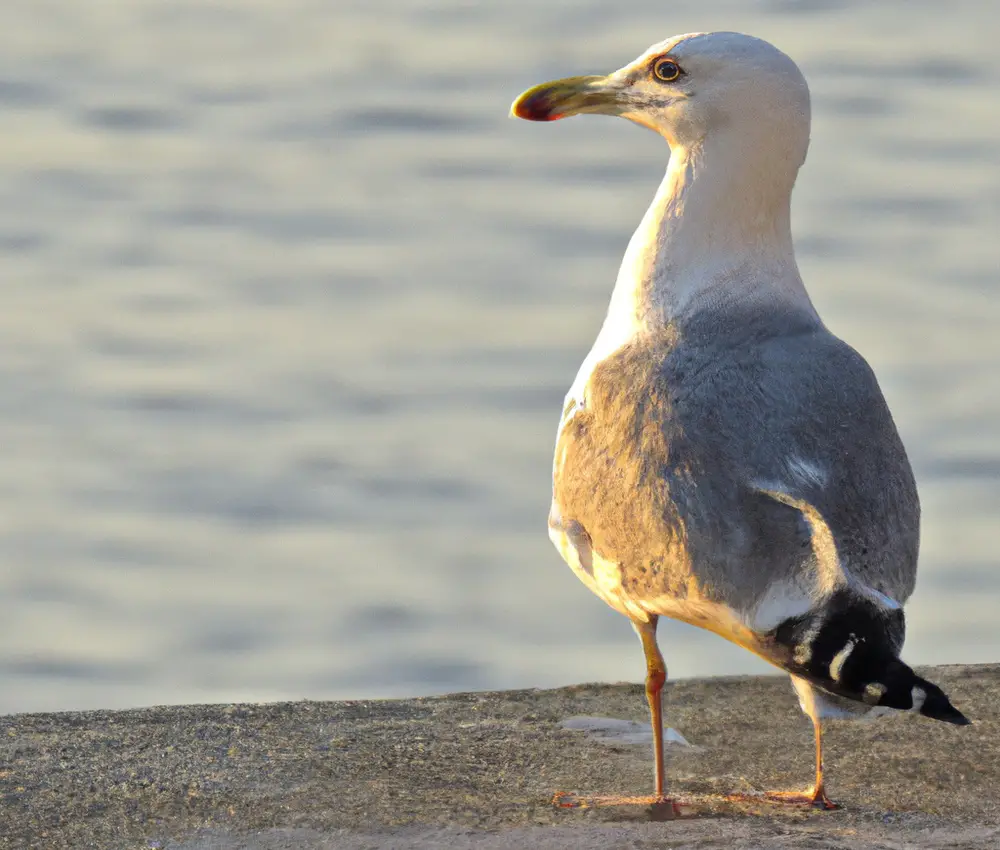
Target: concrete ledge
<point x="479" y="771"/>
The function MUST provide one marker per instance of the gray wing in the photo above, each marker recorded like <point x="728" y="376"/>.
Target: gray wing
<point x="804" y="417"/>
<point x="671" y="464"/>
<point x="758" y="489"/>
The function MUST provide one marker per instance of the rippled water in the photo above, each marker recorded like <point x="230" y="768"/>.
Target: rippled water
<point x="289" y="308"/>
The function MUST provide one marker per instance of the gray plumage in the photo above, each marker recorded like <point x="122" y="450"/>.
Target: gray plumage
<point x="665" y="470"/>
<point x="664" y="462"/>
<point x="723" y="458"/>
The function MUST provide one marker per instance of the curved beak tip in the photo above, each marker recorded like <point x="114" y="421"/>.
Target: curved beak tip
<point x="533" y="106"/>
<point x="562" y="98"/>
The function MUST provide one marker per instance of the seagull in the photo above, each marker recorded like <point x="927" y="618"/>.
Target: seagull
<point x="722" y="458"/>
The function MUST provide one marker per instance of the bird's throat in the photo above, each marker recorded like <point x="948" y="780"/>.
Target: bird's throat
<point x="716" y="234"/>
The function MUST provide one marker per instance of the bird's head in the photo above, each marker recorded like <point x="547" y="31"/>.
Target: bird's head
<point x="690" y="88"/>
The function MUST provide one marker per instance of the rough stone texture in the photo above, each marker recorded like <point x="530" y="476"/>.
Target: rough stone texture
<point x="479" y="771"/>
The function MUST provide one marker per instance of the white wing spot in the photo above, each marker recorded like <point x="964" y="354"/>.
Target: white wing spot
<point x="874" y="691"/>
<point x="837" y="664"/>
<point x="803" y="650"/>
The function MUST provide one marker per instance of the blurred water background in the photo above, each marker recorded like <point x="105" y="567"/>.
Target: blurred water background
<point x="289" y="307"/>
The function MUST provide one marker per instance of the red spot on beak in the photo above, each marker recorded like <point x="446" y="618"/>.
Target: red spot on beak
<point x="536" y="108"/>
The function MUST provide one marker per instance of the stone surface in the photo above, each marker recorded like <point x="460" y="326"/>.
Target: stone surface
<point x="479" y="771"/>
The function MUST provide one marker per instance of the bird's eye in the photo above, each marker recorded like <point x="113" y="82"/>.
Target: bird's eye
<point x="667" y="70"/>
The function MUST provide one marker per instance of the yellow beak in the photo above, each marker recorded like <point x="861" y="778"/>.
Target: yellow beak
<point x="569" y="96"/>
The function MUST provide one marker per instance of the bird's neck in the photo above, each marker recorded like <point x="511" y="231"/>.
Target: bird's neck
<point x="717" y="238"/>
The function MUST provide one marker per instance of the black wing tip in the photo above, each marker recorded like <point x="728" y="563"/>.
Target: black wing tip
<point x="937" y="706"/>
<point x="949" y="715"/>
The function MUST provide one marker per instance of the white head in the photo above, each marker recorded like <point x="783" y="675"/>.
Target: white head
<point x="695" y="89"/>
<point x="735" y="111"/>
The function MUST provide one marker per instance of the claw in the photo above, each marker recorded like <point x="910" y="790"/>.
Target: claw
<point x="815" y="797"/>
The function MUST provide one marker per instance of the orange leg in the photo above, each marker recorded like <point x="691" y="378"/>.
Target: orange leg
<point x="661" y="807"/>
<point x="656" y="675"/>
<point x="815" y="796"/>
